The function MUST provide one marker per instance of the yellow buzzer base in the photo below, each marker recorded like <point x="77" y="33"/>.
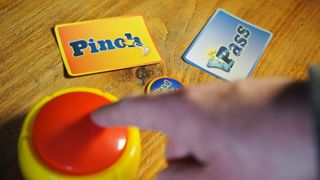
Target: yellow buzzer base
<point x="33" y="169"/>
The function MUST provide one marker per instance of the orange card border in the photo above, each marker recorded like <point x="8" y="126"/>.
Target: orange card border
<point x="64" y="58"/>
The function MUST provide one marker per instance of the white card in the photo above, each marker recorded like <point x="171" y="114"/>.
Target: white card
<point x="228" y="47"/>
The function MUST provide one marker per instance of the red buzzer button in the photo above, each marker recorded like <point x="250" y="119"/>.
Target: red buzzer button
<point x="66" y="139"/>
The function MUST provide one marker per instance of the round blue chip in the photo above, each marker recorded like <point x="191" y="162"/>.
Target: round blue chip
<point x="164" y="85"/>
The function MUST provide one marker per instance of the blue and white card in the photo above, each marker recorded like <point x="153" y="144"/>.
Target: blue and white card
<point x="228" y="47"/>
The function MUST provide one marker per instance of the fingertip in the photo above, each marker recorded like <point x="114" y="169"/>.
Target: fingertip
<point x="128" y="112"/>
<point x="95" y="117"/>
<point x="106" y="116"/>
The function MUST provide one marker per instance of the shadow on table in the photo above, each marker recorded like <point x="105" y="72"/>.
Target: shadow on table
<point x="9" y="135"/>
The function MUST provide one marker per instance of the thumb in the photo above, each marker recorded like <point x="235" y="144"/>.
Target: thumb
<point x="185" y="171"/>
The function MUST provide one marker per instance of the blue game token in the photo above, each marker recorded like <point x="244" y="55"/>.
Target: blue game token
<point x="164" y="85"/>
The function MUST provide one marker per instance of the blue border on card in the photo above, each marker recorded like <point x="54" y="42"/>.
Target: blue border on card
<point x="205" y="26"/>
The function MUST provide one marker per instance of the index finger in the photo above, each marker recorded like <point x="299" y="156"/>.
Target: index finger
<point x="168" y="113"/>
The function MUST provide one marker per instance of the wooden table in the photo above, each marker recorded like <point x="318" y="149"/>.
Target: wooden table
<point x="31" y="65"/>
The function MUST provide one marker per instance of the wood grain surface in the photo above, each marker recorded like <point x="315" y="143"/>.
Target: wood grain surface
<point x="31" y="66"/>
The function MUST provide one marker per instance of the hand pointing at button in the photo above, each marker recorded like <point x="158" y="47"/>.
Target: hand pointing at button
<point x="246" y="130"/>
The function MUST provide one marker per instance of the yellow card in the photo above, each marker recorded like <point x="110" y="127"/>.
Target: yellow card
<point x="106" y="44"/>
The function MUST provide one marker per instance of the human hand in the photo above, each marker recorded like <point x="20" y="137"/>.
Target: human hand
<point x="245" y="130"/>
